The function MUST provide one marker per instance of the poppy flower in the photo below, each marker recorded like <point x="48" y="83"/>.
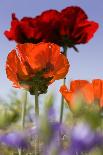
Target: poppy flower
<point x="78" y="90"/>
<point x="88" y="91"/>
<point x="21" y="31"/>
<point x="65" y="28"/>
<point x="75" y="26"/>
<point x="35" y="30"/>
<point x="35" y="66"/>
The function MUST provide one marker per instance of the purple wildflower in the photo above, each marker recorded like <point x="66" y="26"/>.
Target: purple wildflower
<point x="15" y="140"/>
<point x="84" y="138"/>
<point x="53" y="147"/>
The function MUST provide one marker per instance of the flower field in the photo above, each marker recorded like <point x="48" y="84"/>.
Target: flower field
<point x="37" y="61"/>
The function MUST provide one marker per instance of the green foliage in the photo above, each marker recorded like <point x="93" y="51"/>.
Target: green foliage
<point x="7" y="116"/>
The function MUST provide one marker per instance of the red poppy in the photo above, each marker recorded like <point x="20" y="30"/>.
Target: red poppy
<point x="21" y="31"/>
<point x="66" y="28"/>
<point x="75" y="26"/>
<point x="49" y="26"/>
<point x="34" y="30"/>
<point x="89" y="92"/>
<point x="35" y="66"/>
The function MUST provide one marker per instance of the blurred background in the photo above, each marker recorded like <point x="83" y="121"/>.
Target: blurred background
<point x="87" y="64"/>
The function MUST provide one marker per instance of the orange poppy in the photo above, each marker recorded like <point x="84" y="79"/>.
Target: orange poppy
<point x="82" y="88"/>
<point x="79" y="89"/>
<point x="35" y="66"/>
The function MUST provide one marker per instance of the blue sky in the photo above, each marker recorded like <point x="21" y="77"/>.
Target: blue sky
<point x="87" y="64"/>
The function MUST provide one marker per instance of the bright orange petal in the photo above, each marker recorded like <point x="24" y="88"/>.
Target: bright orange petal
<point x="68" y="95"/>
<point x="58" y="62"/>
<point x="28" y="52"/>
<point x="11" y="67"/>
<point x="15" y="69"/>
<point x="61" y="67"/>
<point x="97" y="87"/>
<point x="52" y="55"/>
<point x="88" y="94"/>
<point x="37" y="55"/>
<point x="77" y="84"/>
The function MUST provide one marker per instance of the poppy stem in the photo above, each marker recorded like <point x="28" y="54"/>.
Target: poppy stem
<point x="62" y="98"/>
<point x="24" y="102"/>
<point x="37" y="117"/>
<point x="24" y="109"/>
<point x="36" y="104"/>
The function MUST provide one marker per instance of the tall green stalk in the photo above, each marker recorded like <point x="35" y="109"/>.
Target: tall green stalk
<point x="37" y="117"/>
<point x="36" y="104"/>
<point x="62" y="98"/>
<point x="23" y="113"/>
<point x="23" y="109"/>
